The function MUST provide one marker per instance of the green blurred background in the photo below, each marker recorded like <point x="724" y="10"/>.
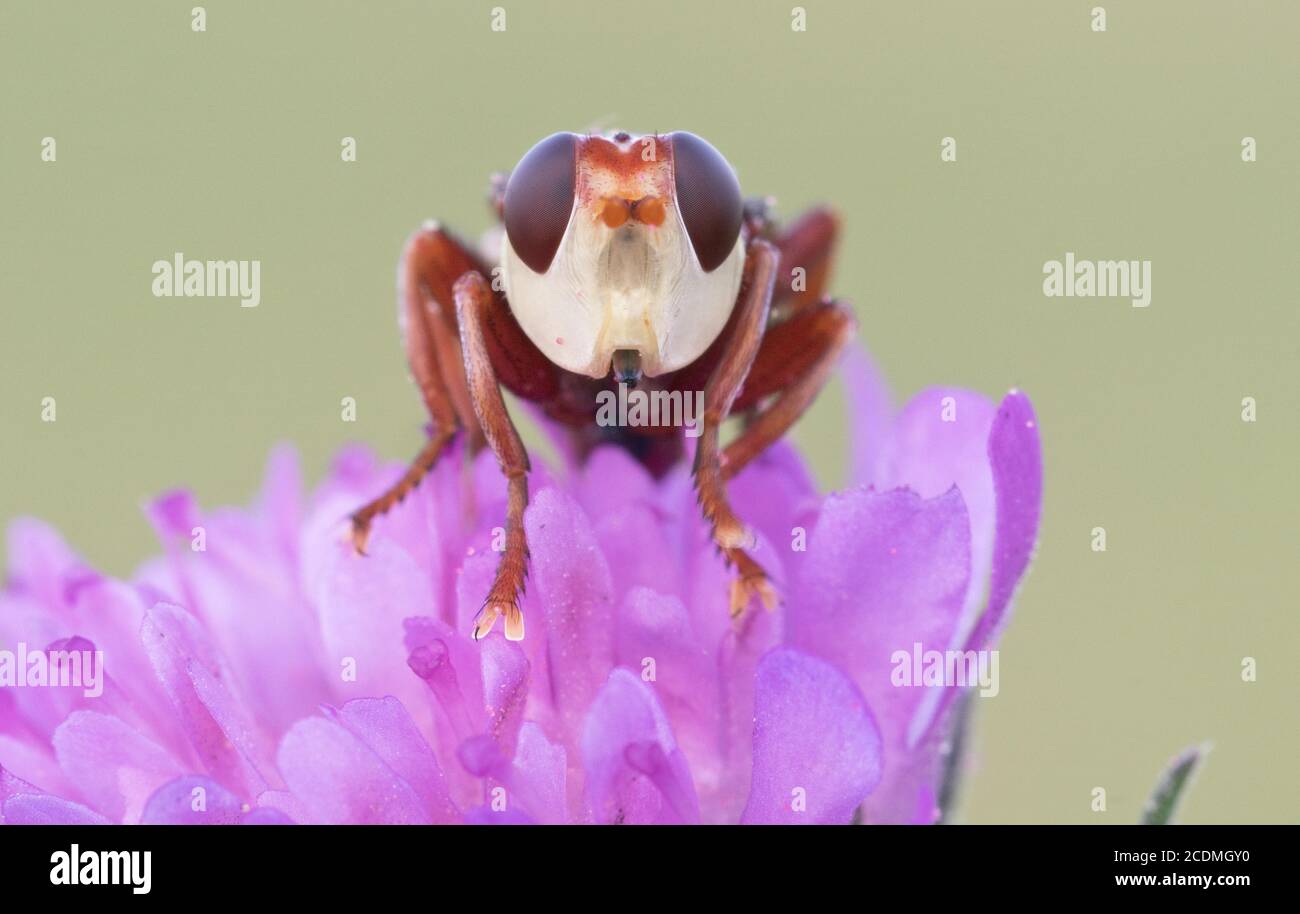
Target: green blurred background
<point x="1124" y="144"/>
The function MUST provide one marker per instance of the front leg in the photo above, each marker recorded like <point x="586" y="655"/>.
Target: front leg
<point x="432" y="260"/>
<point x="474" y="303"/>
<point x="738" y="352"/>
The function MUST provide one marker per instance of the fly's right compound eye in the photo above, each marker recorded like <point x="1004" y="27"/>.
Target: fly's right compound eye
<point x="539" y="200"/>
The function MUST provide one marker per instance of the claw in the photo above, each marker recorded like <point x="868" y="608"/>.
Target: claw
<point x="514" y="623"/>
<point x="751" y="581"/>
<point x="488" y="615"/>
<point x="746" y="587"/>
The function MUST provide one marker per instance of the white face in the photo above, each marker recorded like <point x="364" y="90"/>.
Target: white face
<point x="625" y="272"/>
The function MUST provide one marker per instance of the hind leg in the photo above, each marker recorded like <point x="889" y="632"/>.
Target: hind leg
<point x="793" y="364"/>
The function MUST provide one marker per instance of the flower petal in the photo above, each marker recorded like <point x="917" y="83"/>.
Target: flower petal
<point x="43" y="565"/>
<point x="774" y="493"/>
<point x="635" y="543"/>
<point x="572" y="581"/>
<point x="485" y="815"/>
<point x="1017" y="460"/>
<point x="654" y="631"/>
<point x="595" y="494"/>
<point x="192" y="800"/>
<point x="24" y="763"/>
<point x="12" y="785"/>
<point x="265" y="815"/>
<point x="817" y="750"/>
<point x="114" y="768"/>
<point x="340" y="780"/>
<point x="635" y="772"/>
<point x="230" y="568"/>
<point x="655" y="636"/>
<point x="938" y="440"/>
<point x="362" y="603"/>
<point x="884" y="571"/>
<point x="385" y="726"/>
<point x="505" y="689"/>
<point x="450" y="667"/>
<point x="538" y="779"/>
<point x="869" y="411"/>
<point x="42" y="809"/>
<point x="193" y="675"/>
<point x="281" y="501"/>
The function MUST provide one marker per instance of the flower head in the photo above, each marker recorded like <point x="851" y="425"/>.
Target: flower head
<point x="259" y="671"/>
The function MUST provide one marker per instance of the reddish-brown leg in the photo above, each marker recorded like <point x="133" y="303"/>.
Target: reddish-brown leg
<point x="806" y="245"/>
<point x="431" y="262"/>
<point x="793" y="364"/>
<point x="738" y="353"/>
<point x="474" y="306"/>
<point x="808" y="242"/>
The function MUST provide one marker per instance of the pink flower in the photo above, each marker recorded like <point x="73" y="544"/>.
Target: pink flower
<point x="259" y="671"/>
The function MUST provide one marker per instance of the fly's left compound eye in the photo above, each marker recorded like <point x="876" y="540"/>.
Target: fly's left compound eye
<point x="539" y="200"/>
<point x="708" y="197"/>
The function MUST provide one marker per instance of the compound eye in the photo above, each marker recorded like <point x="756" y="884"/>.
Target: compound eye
<point x="708" y="196"/>
<point x="539" y="200"/>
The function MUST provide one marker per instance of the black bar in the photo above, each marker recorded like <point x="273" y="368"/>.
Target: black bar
<point x="308" y="862"/>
